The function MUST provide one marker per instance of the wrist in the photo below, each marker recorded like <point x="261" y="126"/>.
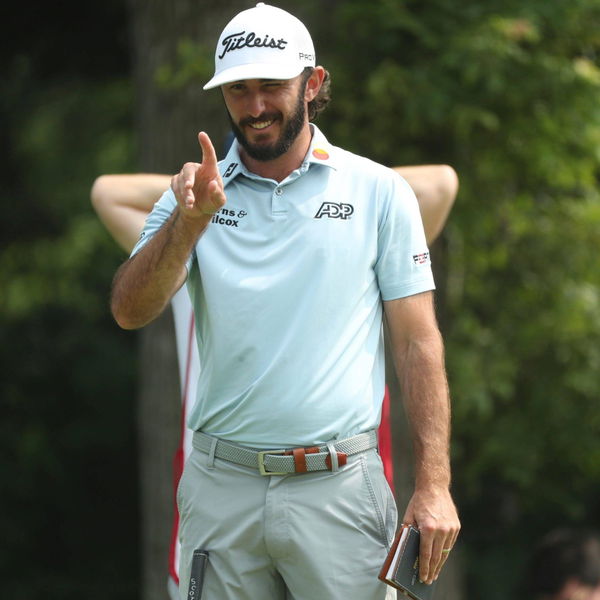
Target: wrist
<point x="195" y="220"/>
<point x="433" y="480"/>
<point x="434" y="488"/>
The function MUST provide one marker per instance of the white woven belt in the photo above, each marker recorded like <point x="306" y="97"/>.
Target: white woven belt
<point x="292" y="460"/>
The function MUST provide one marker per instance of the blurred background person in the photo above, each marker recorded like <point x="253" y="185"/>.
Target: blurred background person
<point x="565" y="565"/>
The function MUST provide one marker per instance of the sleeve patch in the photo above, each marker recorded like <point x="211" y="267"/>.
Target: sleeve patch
<point x="421" y="259"/>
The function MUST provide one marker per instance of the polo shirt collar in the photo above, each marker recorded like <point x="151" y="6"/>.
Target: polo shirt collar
<point x="320" y="152"/>
<point x="232" y="165"/>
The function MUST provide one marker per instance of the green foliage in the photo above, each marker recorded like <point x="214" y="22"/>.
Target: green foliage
<point x="194" y="63"/>
<point x="68" y="490"/>
<point x="507" y="93"/>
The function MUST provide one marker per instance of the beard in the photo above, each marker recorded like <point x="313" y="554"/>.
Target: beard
<point x="291" y="129"/>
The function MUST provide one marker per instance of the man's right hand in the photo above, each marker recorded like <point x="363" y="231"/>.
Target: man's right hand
<point x="198" y="187"/>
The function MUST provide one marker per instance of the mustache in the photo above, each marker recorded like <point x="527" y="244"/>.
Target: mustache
<point x="261" y="118"/>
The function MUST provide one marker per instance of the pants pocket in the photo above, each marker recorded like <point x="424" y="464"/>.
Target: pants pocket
<point x="381" y="497"/>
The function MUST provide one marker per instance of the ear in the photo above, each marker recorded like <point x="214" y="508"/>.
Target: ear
<point x="314" y="83"/>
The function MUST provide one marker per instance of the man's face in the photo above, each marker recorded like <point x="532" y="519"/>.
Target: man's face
<point x="266" y="115"/>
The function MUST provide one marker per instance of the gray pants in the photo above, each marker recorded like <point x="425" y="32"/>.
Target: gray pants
<point x="312" y="536"/>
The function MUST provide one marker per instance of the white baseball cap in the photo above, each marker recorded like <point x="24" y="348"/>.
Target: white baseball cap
<point x="263" y="42"/>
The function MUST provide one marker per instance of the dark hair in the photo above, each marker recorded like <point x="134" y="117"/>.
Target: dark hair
<point x="562" y="555"/>
<point x="321" y="100"/>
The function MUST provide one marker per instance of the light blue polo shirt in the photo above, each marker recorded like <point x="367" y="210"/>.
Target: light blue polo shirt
<point x="287" y="285"/>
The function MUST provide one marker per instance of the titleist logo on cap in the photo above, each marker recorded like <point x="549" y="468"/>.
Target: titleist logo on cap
<point x="236" y="41"/>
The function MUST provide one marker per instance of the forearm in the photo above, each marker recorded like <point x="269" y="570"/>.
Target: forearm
<point x="418" y="353"/>
<point x="123" y="201"/>
<point x="143" y="286"/>
<point x="137" y="190"/>
<point x="420" y="367"/>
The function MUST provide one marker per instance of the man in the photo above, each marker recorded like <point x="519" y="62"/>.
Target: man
<point x="290" y="245"/>
<point x="124" y="201"/>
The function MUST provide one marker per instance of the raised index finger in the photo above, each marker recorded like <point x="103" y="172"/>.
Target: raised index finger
<point x="209" y="156"/>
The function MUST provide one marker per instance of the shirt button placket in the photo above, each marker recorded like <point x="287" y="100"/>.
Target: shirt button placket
<point x="278" y="201"/>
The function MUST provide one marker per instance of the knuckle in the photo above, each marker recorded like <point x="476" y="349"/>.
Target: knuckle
<point x="427" y="527"/>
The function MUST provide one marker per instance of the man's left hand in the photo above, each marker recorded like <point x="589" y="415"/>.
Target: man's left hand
<point x="433" y="512"/>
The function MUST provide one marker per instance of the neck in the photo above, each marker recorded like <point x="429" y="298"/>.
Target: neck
<point x="279" y="168"/>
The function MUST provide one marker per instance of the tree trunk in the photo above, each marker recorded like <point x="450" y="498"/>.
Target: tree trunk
<point x="170" y="39"/>
<point x="158" y="431"/>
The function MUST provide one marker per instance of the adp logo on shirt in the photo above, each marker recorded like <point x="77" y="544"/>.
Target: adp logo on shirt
<point x="333" y="210"/>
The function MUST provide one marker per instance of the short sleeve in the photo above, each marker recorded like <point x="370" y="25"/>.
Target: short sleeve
<point x="403" y="265"/>
<point x="161" y="212"/>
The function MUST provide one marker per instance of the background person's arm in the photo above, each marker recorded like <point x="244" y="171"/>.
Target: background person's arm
<point x="435" y="187"/>
<point x="124" y="201"/>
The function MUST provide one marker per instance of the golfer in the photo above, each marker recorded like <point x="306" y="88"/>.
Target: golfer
<point x="293" y="251"/>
